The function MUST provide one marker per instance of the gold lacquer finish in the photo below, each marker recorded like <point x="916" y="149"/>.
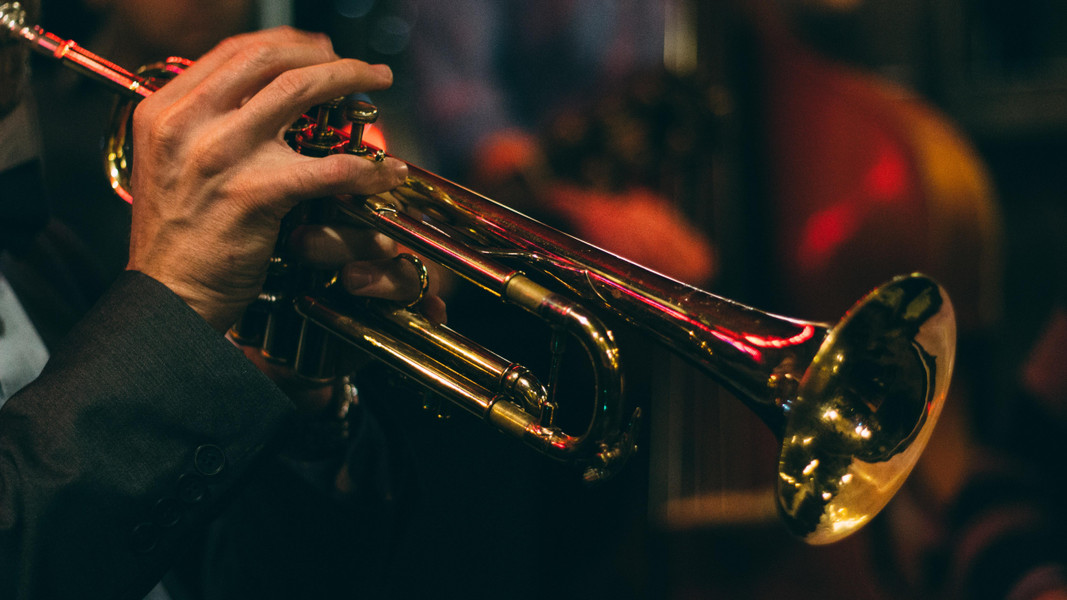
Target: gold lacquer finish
<point x="865" y="409"/>
<point x="853" y="405"/>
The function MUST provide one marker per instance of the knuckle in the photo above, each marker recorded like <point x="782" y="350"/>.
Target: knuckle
<point x="292" y="35"/>
<point x="143" y="114"/>
<point x="290" y="32"/>
<point x="244" y="202"/>
<point x="373" y="177"/>
<point x="307" y="182"/>
<point x="209" y="153"/>
<point x="335" y="173"/>
<point x="257" y="55"/>
<point x="307" y="37"/>
<point x="292" y="84"/>
<point x="160" y="127"/>
<point x="325" y="45"/>
<point x="233" y="44"/>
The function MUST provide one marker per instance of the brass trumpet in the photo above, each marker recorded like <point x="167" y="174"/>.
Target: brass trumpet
<point x="853" y="404"/>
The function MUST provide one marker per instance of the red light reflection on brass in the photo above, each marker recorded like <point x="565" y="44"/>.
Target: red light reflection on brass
<point x="771" y="342"/>
<point x="728" y="337"/>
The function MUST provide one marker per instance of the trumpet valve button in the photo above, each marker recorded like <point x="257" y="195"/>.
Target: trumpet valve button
<point x="318" y="138"/>
<point x="361" y="114"/>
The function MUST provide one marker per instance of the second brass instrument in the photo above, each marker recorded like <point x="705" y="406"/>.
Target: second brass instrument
<point x="853" y="404"/>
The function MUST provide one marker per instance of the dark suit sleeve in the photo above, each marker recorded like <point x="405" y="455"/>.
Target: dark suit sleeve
<point x="125" y="446"/>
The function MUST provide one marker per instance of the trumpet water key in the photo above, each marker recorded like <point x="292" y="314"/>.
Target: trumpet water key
<point x="853" y="403"/>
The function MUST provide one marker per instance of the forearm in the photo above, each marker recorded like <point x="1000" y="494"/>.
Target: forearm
<point x="108" y="462"/>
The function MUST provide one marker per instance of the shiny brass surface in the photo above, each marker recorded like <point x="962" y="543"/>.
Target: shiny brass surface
<point x="853" y="404"/>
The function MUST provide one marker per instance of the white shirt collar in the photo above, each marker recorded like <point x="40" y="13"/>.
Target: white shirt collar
<point x="22" y="352"/>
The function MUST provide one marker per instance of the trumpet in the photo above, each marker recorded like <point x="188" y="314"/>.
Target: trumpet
<point x="853" y="404"/>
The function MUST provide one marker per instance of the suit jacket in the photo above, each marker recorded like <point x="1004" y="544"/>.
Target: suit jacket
<point x="123" y="449"/>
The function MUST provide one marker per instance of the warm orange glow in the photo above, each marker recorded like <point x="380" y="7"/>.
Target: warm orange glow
<point x="373" y="136"/>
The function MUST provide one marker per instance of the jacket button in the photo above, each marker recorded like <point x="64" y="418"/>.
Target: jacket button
<point x="209" y="460"/>
<point x="167" y="512"/>
<point x="144" y="537"/>
<point x="191" y="488"/>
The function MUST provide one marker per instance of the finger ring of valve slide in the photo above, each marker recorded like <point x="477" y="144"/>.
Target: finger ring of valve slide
<point x="424" y="276"/>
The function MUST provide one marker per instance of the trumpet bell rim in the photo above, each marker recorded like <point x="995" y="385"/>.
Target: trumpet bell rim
<point x="865" y="409"/>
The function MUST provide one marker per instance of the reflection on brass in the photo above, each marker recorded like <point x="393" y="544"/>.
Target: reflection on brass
<point x="853" y="404"/>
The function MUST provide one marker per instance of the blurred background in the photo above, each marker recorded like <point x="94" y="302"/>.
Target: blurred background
<point x="788" y="154"/>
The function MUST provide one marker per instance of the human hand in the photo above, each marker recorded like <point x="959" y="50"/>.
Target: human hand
<point x="368" y="265"/>
<point x="214" y="177"/>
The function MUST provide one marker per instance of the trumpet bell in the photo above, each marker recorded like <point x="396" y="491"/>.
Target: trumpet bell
<point x="865" y="409"/>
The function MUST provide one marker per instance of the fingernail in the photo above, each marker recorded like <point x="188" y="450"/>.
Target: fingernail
<point x="384" y="69"/>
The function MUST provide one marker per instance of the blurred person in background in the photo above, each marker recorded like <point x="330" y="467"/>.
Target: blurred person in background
<point x="490" y="76"/>
<point x="853" y="180"/>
